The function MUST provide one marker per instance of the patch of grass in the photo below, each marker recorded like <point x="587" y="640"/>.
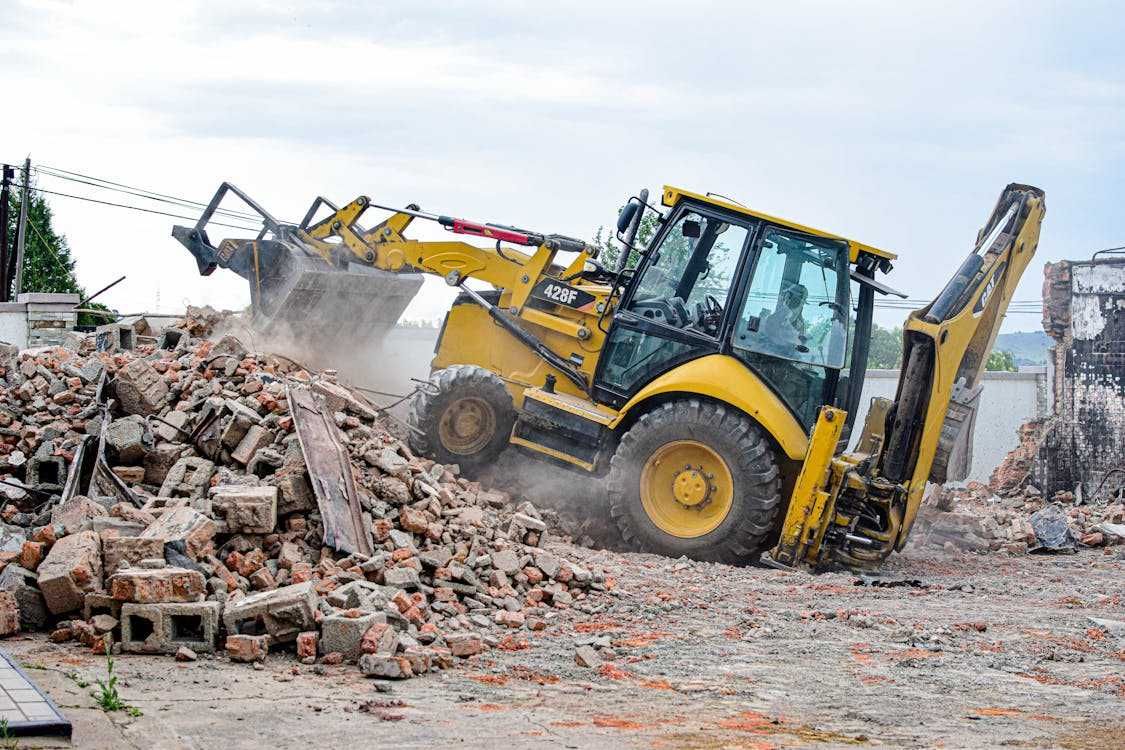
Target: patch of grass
<point x="7" y="740"/>
<point x="106" y="695"/>
<point x="33" y="665"/>
<point x="79" y="680"/>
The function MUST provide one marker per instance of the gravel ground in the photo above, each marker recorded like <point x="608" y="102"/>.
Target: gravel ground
<point x="961" y="651"/>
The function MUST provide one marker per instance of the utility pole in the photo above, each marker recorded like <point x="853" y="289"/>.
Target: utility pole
<point x="21" y="236"/>
<point x="5" y="193"/>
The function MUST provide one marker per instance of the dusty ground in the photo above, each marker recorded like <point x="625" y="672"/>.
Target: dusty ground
<point x="988" y="651"/>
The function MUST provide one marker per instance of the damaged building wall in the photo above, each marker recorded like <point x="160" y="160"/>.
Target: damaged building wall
<point x="1084" y="312"/>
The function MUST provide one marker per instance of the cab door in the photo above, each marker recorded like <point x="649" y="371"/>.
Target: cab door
<point x="676" y="306"/>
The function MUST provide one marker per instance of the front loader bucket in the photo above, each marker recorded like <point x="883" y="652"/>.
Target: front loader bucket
<point x="322" y="310"/>
<point x="308" y="301"/>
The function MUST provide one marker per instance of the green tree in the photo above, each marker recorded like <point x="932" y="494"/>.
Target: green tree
<point x="1000" y="361"/>
<point x="885" y="352"/>
<point x="609" y="250"/>
<point x="47" y="263"/>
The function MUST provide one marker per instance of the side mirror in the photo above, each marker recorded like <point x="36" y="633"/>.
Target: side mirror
<point x="691" y="229"/>
<point x="625" y="218"/>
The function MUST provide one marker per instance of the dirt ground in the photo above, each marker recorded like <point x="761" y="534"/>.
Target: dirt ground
<point x="963" y="651"/>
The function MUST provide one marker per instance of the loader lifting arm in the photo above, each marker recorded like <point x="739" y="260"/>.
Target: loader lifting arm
<point x="856" y="508"/>
<point x="293" y="269"/>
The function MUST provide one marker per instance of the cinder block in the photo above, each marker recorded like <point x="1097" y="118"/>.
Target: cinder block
<point x="100" y="603"/>
<point x="129" y="550"/>
<point x="246" y="509"/>
<point x="344" y="634"/>
<point x="189" y="477"/>
<point x="164" y="628"/>
<point x="282" y="613"/>
<point x="140" y="389"/>
<point x="20" y="582"/>
<point x="185" y="525"/>
<point x="157" y="585"/>
<point x="113" y="338"/>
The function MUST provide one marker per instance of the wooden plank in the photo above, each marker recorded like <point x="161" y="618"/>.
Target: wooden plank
<point x="330" y="472"/>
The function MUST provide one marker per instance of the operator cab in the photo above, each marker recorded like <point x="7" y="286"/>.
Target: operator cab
<point x="791" y="303"/>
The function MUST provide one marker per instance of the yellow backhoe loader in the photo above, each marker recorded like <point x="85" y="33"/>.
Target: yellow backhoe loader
<point x="713" y="385"/>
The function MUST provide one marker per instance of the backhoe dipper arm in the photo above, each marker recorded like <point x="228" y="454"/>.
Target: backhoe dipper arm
<point x="856" y="508"/>
<point x="946" y="347"/>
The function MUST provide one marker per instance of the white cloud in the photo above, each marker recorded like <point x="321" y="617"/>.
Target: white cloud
<point x="896" y="123"/>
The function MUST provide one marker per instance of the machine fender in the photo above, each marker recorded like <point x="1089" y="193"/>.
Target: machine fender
<point x="727" y="380"/>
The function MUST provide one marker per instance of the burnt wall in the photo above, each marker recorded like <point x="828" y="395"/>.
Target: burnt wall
<point x="1084" y="311"/>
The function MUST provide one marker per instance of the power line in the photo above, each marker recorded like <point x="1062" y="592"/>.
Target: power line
<point x="47" y="246"/>
<point x="194" y="204"/>
<point x="136" y="208"/>
<point x="181" y="202"/>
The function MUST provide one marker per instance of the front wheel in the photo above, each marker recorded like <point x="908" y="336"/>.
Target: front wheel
<point x="463" y="416"/>
<point x="695" y="478"/>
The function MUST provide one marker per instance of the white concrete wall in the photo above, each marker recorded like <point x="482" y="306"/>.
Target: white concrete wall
<point x="1008" y="400"/>
<point x="13" y="324"/>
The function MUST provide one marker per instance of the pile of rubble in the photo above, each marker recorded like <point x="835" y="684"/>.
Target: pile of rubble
<point x="1018" y="519"/>
<point x="177" y="495"/>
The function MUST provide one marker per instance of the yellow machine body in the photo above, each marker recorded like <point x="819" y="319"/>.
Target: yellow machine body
<point x="544" y="328"/>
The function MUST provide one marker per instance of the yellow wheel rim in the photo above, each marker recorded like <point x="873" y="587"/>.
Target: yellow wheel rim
<point x="686" y="489"/>
<point x="467" y="425"/>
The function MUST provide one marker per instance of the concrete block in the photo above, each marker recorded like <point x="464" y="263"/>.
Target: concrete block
<point x="185" y="525"/>
<point x="9" y="614"/>
<point x="72" y="568"/>
<point x="256" y="437"/>
<point x="282" y="613"/>
<point x="189" y="477"/>
<point x="129" y="550"/>
<point x="361" y="595"/>
<point x="294" y="493"/>
<point x="157" y="585"/>
<point x="166" y="628"/>
<point x="125" y="438"/>
<point x="160" y="460"/>
<point x="385" y="667"/>
<point x="248" y="648"/>
<point x="45" y="470"/>
<point x="166" y="430"/>
<point x="342" y="634"/>
<point x="246" y="509"/>
<point x="114" y="338"/>
<point x="140" y="389"/>
<point x="21" y="583"/>
<point x="100" y="603"/>
<point x="76" y="514"/>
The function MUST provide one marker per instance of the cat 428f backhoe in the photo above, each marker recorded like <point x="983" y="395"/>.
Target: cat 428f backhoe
<point x="713" y="385"/>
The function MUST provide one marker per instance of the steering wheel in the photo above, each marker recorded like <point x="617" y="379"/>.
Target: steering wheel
<point x="669" y="311"/>
<point x="708" y="314"/>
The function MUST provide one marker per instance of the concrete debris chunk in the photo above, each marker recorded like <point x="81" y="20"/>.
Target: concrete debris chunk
<point x="72" y="568"/>
<point x="243" y="502"/>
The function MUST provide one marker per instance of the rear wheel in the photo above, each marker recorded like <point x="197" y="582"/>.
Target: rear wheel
<point x="464" y="416"/>
<point x="698" y="479"/>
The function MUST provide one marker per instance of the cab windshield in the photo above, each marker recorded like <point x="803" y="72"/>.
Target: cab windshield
<point x="792" y="328"/>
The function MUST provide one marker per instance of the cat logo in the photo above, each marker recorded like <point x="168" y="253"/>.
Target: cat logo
<point x="989" y="289"/>
<point x="561" y="294"/>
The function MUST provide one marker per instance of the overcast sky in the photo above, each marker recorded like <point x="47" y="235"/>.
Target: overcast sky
<point x="895" y="123"/>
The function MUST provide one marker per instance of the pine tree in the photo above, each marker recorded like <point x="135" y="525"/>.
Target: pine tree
<point x="47" y="262"/>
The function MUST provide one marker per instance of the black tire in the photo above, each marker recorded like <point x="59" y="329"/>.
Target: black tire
<point x="755" y="503"/>
<point x="456" y="388"/>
